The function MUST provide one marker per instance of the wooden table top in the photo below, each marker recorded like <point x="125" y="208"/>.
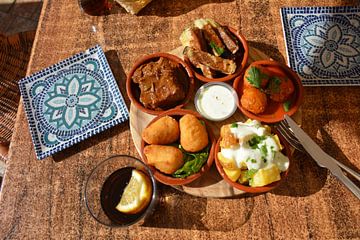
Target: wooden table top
<point x="43" y="199"/>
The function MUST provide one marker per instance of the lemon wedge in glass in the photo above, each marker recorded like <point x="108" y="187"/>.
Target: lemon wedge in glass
<point x="136" y="195"/>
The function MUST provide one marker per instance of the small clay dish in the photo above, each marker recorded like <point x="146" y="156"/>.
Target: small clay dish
<point x="133" y="90"/>
<point x="275" y="111"/>
<point x="241" y="61"/>
<point x="286" y="150"/>
<point x="168" y="179"/>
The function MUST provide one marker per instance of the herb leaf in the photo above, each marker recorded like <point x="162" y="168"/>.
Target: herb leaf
<point x="234" y="125"/>
<point x="274" y="85"/>
<point x="287" y="105"/>
<point x="253" y="142"/>
<point x="217" y="49"/>
<point x="255" y="77"/>
<point x="250" y="173"/>
<point x="263" y="150"/>
<point x="193" y="162"/>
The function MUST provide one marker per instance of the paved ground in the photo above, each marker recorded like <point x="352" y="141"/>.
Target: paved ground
<point x="19" y="15"/>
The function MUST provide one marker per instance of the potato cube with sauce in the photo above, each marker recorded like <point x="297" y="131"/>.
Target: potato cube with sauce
<point x="265" y="176"/>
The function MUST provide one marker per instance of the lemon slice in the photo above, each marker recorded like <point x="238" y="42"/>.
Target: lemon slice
<point x="136" y="195"/>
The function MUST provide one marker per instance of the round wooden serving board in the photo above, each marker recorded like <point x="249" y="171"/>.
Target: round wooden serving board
<point x="211" y="184"/>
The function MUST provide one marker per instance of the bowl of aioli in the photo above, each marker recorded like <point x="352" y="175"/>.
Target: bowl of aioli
<point x="216" y="101"/>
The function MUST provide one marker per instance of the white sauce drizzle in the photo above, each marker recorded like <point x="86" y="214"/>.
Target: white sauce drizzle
<point x="264" y="155"/>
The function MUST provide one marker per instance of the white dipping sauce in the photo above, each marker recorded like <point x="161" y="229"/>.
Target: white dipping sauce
<point x="216" y="102"/>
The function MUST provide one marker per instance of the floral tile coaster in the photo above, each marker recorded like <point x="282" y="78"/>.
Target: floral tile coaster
<point x="71" y="101"/>
<point x="323" y="44"/>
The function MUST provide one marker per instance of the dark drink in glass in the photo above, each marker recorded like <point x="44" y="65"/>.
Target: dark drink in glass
<point x="96" y="7"/>
<point x="111" y="193"/>
<point x="117" y="177"/>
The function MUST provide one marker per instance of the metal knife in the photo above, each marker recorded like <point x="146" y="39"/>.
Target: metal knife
<point x="322" y="158"/>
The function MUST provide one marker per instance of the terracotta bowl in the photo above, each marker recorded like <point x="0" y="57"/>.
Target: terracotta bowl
<point x="168" y="179"/>
<point x="240" y="61"/>
<point x="133" y="90"/>
<point x="249" y="189"/>
<point x="274" y="111"/>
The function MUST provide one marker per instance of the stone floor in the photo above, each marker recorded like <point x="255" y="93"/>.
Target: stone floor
<point x="19" y="15"/>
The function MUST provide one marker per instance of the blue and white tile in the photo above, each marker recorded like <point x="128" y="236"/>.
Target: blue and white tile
<point x="323" y="44"/>
<point x="71" y="101"/>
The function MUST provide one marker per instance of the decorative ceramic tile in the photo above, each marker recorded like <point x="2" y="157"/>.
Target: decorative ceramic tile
<point x="71" y="101"/>
<point x="323" y="44"/>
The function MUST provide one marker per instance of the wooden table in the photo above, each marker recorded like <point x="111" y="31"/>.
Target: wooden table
<point x="43" y="199"/>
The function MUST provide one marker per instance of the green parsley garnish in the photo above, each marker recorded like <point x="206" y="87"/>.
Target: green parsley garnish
<point x="234" y="125"/>
<point x="263" y="150"/>
<point x="274" y="85"/>
<point x="250" y="173"/>
<point x="217" y="49"/>
<point x="253" y="160"/>
<point x="255" y="77"/>
<point x="253" y="143"/>
<point x="287" y="105"/>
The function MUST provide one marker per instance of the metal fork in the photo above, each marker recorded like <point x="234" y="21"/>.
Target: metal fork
<point x="289" y="136"/>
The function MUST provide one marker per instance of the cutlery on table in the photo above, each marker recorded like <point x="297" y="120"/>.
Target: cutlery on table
<point x="322" y="158"/>
<point x="289" y="136"/>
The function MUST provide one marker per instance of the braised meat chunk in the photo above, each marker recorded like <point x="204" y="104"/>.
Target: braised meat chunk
<point x="163" y="84"/>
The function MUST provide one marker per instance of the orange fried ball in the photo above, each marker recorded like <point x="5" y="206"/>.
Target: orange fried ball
<point x="256" y="76"/>
<point x="253" y="100"/>
<point x="283" y="89"/>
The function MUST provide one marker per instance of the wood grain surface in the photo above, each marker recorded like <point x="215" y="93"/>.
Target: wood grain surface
<point x="44" y="199"/>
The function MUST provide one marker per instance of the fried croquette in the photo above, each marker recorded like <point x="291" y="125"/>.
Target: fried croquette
<point x="253" y="100"/>
<point x="228" y="139"/>
<point x="253" y="74"/>
<point x="193" y="134"/>
<point x="164" y="131"/>
<point x="283" y="90"/>
<point x="166" y="159"/>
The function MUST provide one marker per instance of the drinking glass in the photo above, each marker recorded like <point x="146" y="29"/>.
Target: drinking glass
<point x="96" y="7"/>
<point x="95" y="185"/>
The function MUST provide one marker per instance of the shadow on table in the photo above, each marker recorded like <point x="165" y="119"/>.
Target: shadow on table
<point x="306" y="177"/>
<point x="90" y="142"/>
<point x="320" y="105"/>
<point x="119" y="73"/>
<point x="268" y="49"/>
<point x="166" y="8"/>
<point x="337" y="153"/>
<point x="120" y="77"/>
<point x="163" y="8"/>
<point x="178" y="210"/>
